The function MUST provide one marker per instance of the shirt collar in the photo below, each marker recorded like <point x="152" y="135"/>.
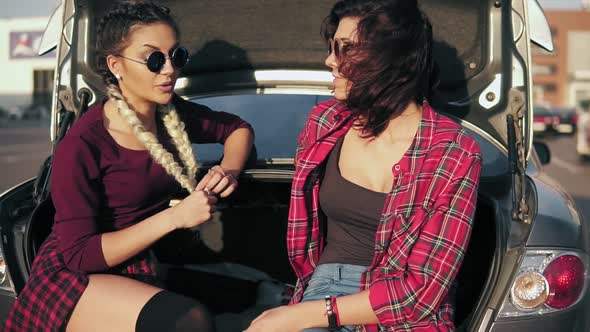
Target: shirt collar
<point x="337" y="115"/>
<point x="411" y="161"/>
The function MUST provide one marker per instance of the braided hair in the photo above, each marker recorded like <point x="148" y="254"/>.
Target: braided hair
<point x="113" y="32"/>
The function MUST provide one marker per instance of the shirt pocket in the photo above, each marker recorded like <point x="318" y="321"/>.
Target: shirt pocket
<point x="404" y="234"/>
<point x="408" y="222"/>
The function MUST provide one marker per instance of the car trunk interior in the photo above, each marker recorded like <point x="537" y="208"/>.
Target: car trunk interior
<point x="237" y="263"/>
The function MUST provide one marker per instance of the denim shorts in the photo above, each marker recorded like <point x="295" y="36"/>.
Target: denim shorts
<point x="336" y="280"/>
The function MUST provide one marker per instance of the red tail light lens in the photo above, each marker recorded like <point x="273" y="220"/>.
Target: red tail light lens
<point x="575" y="119"/>
<point x="565" y="276"/>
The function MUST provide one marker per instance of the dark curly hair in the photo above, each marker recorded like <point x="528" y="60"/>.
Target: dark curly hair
<point x="391" y="64"/>
<point x="114" y="28"/>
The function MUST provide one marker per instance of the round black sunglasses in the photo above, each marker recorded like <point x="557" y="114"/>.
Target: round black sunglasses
<point x="156" y="60"/>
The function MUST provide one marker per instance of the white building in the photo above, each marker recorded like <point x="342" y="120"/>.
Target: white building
<point x="27" y="78"/>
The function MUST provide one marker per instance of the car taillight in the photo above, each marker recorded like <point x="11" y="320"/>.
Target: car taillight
<point x="565" y="276"/>
<point x="547" y="281"/>
<point x="530" y="289"/>
<point x="575" y="119"/>
<point x="555" y="120"/>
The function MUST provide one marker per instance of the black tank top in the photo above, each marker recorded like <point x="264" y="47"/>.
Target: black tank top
<point x="353" y="214"/>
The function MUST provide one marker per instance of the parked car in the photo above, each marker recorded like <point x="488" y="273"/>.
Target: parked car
<point x="526" y="266"/>
<point x="568" y="119"/>
<point x="16" y="112"/>
<point x="545" y="120"/>
<point x="583" y="135"/>
<point x="28" y="112"/>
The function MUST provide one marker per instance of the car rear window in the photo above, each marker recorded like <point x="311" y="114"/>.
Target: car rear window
<point x="277" y="120"/>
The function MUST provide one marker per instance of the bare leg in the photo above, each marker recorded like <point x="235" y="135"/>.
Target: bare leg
<point x="114" y="303"/>
<point x="110" y="303"/>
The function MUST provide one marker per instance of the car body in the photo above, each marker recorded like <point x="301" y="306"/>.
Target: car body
<point x="583" y="135"/>
<point x="568" y="119"/>
<point x="545" y="120"/>
<point x="29" y="112"/>
<point x="16" y="113"/>
<point x="527" y="262"/>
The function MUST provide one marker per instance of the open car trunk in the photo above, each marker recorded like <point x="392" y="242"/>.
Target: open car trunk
<point x="237" y="263"/>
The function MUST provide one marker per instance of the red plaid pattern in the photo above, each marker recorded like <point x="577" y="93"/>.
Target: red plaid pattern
<point x="424" y="227"/>
<point x="52" y="291"/>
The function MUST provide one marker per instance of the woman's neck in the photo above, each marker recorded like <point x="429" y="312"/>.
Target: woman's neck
<point x="404" y="126"/>
<point x="401" y="127"/>
<point x="144" y="111"/>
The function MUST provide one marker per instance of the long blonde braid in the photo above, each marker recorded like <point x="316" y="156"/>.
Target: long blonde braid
<point x="174" y="127"/>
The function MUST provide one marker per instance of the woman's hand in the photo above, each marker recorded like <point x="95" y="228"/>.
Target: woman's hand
<point x="281" y="319"/>
<point x="218" y="181"/>
<point x="194" y="210"/>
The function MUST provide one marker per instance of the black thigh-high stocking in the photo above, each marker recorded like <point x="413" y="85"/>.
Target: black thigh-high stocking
<point x="168" y="311"/>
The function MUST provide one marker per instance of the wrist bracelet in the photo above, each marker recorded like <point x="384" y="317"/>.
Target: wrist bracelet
<point x="332" y="318"/>
<point x="335" y="309"/>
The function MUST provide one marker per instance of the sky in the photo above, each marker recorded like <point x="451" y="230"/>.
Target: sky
<point x="24" y="8"/>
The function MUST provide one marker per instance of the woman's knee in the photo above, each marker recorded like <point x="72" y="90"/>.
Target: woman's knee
<point x="168" y="311"/>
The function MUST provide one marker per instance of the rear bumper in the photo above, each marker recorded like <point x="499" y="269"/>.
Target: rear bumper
<point x="565" y="128"/>
<point x="573" y="320"/>
<point x="539" y="127"/>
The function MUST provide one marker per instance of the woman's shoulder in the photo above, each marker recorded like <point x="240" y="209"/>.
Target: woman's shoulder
<point x="449" y="133"/>
<point x="325" y="114"/>
<point x="88" y="124"/>
<point x="191" y="112"/>
<point x="185" y="107"/>
<point x="86" y="132"/>
<point x="328" y="107"/>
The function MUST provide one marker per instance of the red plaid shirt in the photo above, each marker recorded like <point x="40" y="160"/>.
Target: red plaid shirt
<point x="424" y="227"/>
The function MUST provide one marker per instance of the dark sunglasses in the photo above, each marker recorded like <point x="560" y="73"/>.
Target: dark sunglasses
<point x="339" y="47"/>
<point x="156" y="60"/>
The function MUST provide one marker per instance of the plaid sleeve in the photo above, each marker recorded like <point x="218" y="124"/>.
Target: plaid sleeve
<point x="315" y="123"/>
<point x="436" y="256"/>
<point x="302" y="140"/>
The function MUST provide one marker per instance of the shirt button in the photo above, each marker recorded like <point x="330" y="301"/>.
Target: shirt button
<point x="397" y="167"/>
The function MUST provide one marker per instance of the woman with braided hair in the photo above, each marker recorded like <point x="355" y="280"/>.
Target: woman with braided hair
<point x="113" y="177"/>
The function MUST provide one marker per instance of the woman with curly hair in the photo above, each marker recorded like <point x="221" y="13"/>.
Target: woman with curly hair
<point x="113" y="177"/>
<point x="385" y="188"/>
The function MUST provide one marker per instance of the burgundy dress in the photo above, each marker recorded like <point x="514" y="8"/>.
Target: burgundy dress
<point x="99" y="186"/>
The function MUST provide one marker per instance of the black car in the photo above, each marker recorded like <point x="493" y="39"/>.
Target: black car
<point x="568" y="119"/>
<point x="545" y="120"/>
<point x="527" y="263"/>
